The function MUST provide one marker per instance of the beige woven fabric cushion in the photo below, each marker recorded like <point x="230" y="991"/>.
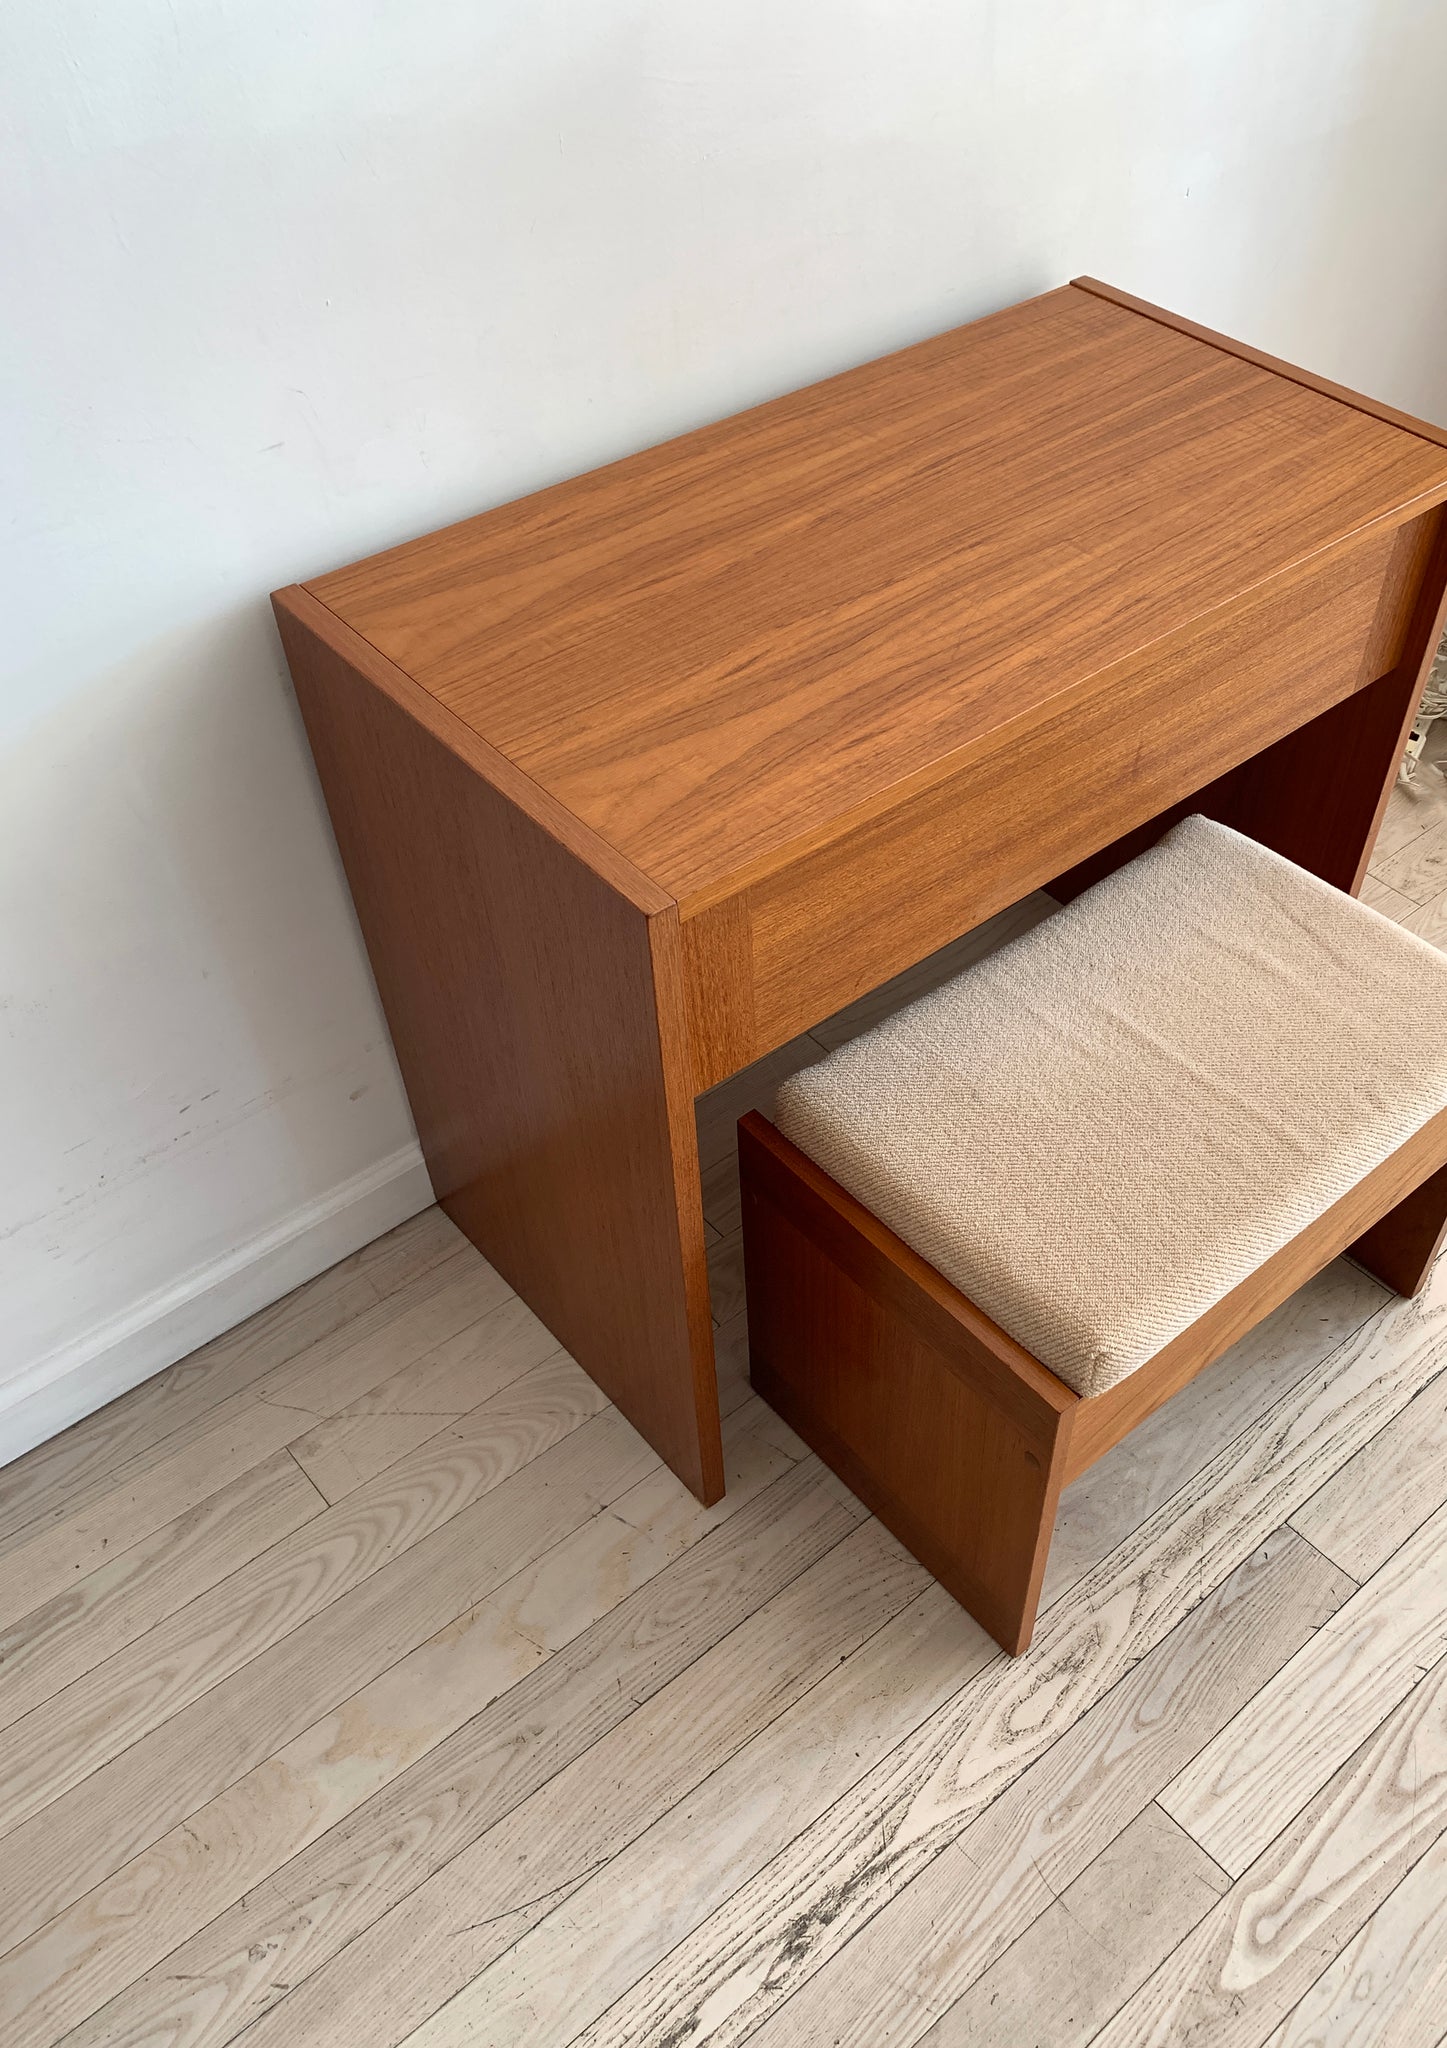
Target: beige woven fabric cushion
<point x="1100" y="1130"/>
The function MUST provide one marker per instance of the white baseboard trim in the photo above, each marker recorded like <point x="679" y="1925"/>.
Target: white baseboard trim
<point x="107" y="1360"/>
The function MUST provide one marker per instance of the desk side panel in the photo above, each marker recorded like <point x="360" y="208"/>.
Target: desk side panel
<point x="537" y="1016"/>
<point x="1103" y="761"/>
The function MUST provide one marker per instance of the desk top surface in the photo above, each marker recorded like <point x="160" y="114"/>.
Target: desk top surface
<point x="725" y="649"/>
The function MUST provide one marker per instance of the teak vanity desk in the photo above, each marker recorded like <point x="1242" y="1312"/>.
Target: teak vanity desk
<point x="637" y="778"/>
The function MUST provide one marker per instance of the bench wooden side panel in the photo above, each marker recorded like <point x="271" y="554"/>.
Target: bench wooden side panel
<point x="951" y="1432"/>
<point x="944" y="1426"/>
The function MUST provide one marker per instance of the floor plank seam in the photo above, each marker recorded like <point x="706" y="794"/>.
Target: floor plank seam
<point x="769" y="2017"/>
<point x="309" y="1480"/>
<point x="1326" y="1558"/>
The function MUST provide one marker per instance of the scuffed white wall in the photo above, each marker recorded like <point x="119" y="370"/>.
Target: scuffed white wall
<point x="287" y="282"/>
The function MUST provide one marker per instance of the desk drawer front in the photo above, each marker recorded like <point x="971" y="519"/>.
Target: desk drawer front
<point x="1128" y="745"/>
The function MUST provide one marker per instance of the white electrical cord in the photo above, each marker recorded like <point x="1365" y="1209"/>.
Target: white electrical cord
<point x="1434" y="697"/>
<point x="1432" y="706"/>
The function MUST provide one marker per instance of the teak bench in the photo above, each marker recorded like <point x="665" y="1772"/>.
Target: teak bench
<point x="1126" y="1138"/>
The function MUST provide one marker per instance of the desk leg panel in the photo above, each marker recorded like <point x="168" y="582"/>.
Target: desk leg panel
<point x="537" y="1015"/>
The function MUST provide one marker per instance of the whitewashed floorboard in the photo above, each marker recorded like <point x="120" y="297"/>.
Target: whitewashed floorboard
<point x="212" y="1405"/>
<point x="1389" y="1984"/>
<point x="1419" y="869"/>
<point x="114" y="1605"/>
<point x="239" y="1434"/>
<point x="931" y="1941"/>
<point x="418" y="1400"/>
<point x="1411" y="811"/>
<point x="60" y="1477"/>
<point x="726" y="1277"/>
<point x="1285" y="1743"/>
<point x="1104" y="1935"/>
<point x="317" y="1905"/>
<point x="1373" y="1504"/>
<point x="326" y="1899"/>
<point x="1429" y="920"/>
<point x="1391" y="902"/>
<point x="68" y="1845"/>
<point x="795" y="1913"/>
<point x="582" y="1821"/>
<point x="1253" y="1957"/>
<point x="64" y="1742"/>
<point x="548" y="1985"/>
<point x="147" y="1907"/>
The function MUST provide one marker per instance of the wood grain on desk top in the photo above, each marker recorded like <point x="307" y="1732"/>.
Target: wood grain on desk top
<point x="731" y="645"/>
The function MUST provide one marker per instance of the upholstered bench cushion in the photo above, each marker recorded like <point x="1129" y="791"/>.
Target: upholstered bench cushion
<point x="1100" y="1130"/>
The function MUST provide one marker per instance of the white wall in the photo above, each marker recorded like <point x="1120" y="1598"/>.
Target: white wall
<point x="286" y="280"/>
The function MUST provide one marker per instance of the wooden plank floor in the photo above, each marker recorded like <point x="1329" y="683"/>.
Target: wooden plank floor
<point x="365" y="1680"/>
